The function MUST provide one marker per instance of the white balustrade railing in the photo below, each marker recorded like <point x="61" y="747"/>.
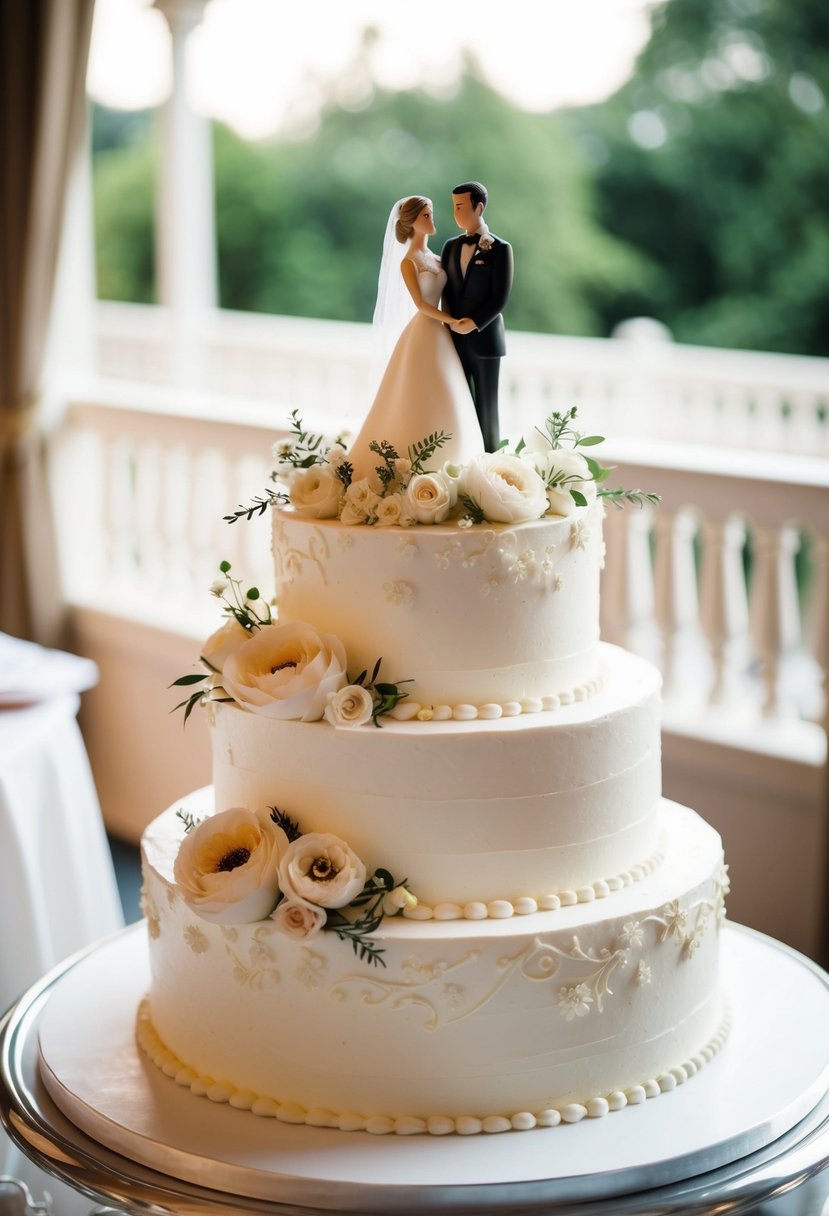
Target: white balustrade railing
<point x="707" y="584"/>
<point x="638" y="383"/>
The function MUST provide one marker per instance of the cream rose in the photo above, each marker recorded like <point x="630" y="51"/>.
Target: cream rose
<point x="351" y="706"/>
<point x="431" y="496"/>
<point x="507" y="489"/>
<point x="298" y="920"/>
<point x="227" y="867"/>
<point x="361" y="502"/>
<point x="322" y="871"/>
<point x="317" y="492"/>
<point x="391" y="511"/>
<point x="286" y="671"/>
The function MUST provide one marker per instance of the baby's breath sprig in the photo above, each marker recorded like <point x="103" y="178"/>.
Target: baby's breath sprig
<point x="304" y="449"/>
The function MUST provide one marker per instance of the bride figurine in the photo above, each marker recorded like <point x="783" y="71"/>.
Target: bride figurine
<point x="423" y="388"/>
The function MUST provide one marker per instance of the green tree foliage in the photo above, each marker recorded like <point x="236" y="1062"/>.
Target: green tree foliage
<point x="300" y="223"/>
<point x="124" y="204"/>
<point x="713" y="162"/>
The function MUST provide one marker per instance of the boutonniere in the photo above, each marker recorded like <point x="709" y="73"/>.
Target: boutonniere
<point x="485" y="243"/>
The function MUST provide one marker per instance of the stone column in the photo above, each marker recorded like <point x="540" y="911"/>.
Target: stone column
<point x="185" y="219"/>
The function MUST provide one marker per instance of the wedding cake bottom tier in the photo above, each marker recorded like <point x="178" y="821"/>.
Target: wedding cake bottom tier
<point x="468" y="1025"/>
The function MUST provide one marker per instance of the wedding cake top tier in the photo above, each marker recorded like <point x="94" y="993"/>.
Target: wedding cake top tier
<point x="478" y="619"/>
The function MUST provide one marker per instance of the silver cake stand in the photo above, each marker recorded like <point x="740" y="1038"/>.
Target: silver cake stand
<point x="749" y="1133"/>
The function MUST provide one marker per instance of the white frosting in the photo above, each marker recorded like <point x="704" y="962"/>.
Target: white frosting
<point x="468" y="811"/>
<point x="515" y="1018"/>
<point x="477" y="616"/>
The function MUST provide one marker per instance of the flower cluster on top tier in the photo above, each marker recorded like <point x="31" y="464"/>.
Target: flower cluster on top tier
<point x="545" y="474"/>
<point x="289" y="671"/>
<point x="242" y="866"/>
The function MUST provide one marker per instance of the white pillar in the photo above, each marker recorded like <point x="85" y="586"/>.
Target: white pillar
<point x="185" y="219"/>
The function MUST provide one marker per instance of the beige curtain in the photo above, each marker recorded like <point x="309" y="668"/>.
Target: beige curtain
<point x="43" y="53"/>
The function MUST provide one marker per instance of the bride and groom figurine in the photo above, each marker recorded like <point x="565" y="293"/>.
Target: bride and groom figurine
<point x="439" y="321"/>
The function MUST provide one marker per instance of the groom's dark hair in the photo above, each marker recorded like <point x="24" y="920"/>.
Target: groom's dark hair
<point x="476" y="191"/>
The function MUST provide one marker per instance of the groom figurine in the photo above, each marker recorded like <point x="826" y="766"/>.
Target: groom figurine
<point x="478" y="269"/>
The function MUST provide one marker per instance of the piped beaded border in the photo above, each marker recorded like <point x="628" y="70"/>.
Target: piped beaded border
<point x="411" y="1125"/>
<point x="503" y="909"/>
<point x="413" y="711"/>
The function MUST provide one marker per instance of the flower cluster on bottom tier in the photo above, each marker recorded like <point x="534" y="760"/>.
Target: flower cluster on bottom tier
<point x="554" y="1015"/>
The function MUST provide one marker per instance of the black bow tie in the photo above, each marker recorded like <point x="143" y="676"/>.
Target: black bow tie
<point x="470" y="240"/>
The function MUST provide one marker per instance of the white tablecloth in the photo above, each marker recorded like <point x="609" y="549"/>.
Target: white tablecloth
<point x="57" y="884"/>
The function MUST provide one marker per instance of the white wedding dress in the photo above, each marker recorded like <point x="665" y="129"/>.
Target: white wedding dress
<point x="423" y="389"/>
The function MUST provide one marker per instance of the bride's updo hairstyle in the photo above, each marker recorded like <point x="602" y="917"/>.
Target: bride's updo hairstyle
<point x="409" y="211"/>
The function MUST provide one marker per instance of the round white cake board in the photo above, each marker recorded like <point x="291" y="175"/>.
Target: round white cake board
<point x="770" y="1075"/>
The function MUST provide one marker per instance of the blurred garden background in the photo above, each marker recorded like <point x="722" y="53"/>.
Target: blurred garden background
<point x="695" y="193"/>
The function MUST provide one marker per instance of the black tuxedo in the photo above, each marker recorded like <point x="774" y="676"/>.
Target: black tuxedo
<point x="480" y="294"/>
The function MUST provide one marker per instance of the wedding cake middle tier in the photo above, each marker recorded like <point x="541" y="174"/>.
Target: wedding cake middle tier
<point x="553" y="808"/>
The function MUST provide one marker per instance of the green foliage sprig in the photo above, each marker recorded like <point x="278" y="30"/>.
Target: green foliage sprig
<point x="359" y="931"/>
<point x="258" y="506"/>
<point x="249" y="610"/>
<point x="189" y="820"/>
<point x="289" y="826"/>
<point x="386" y="695"/>
<point x="425" y="449"/>
<point x="388" y="454"/>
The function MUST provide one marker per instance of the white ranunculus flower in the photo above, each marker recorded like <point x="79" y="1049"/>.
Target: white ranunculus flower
<point x="286" y="671"/>
<point x="322" y="871"/>
<point x="317" y="492"/>
<point x="570" y="471"/>
<point x="430" y="497"/>
<point x="506" y="488"/>
<point x="392" y="511"/>
<point x="561" y="502"/>
<point x="227" y="867"/>
<point x="351" y="706"/>
<point x="298" y="920"/>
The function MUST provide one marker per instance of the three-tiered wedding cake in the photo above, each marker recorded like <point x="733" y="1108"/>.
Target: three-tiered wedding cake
<point x="548" y="949"/>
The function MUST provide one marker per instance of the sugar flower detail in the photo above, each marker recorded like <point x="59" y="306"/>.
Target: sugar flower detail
<point x="574" y="1001"/>
<point x="227" y="866"/>
<point x="351" y="706"/>
<point x="321" y="871"/>
<point x="286" y="671"/>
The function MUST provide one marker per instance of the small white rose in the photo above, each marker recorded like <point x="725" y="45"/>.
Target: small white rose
<point x="227" y="867"/>
<point x="430" y="497"/>
<point x="317" y="492"/>
<point x="298" y="920"/>
<point x="286" y="671"/>
<point x="568" y="470"/>
<point x="322" y="871"/>
<point x="506" y="488"/>
<point x="351" y="706"/>
<point x="398" y="900"/>
<point x="391" y="511"/>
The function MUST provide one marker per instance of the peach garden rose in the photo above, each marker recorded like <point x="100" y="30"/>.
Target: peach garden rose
<point x="286" y="671"/>
<point x="228" y="866"/>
